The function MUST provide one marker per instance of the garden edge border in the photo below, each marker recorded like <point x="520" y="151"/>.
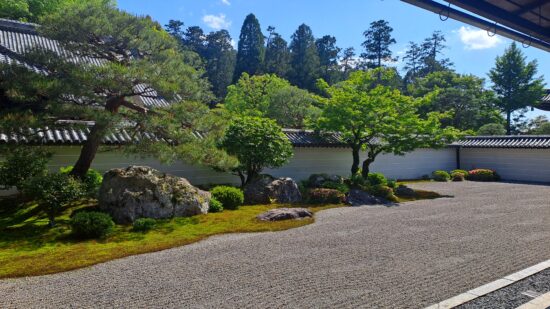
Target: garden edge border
<point x="490" y="287"/>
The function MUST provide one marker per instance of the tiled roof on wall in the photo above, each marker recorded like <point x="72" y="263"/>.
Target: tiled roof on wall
<point x="514" y="141"/>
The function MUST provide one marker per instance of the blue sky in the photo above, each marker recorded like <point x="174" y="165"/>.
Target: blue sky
<point x="471" y="49"/>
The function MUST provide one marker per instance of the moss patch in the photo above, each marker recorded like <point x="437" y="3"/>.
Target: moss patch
<point x="28" y="247"/>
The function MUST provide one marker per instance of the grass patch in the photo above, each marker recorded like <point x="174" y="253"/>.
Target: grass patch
<point x="28" y="247"/>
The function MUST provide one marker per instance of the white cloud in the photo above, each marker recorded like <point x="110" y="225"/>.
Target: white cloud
<point x="216" y="21"/>
<point x="226" y="2"/>
<point x="477" y="38"/>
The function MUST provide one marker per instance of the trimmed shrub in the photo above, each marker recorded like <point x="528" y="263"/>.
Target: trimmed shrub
<point x="392" y="183"/>
<point x="91" y="224"/>
<point x="336" y="186"/>
<point x="91" y="182"/>
<point x="463" y="172"/>
<point x="441" y="176"/>
<point x="376" y="179"/>
<point x="325" y="196"/>
<point x="230" y="197"/>
<point x="481" y="174"/>
<point x="383" y="192"/>
<point x="21" y="164"/>
<point x="53" y="191"/>
<point x="215" y="205"/>
<point x="357" y="180"/>
<point x="144" y="224"/>
<point x="457" y="176"/>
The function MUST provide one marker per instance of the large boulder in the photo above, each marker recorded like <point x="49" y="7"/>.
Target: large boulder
<point x="266" y="189"/>
<point x="278" y="214"/>
<point x="404" y="191"/>
<point x="142" y="192"/>
<point x="358" y="197"/>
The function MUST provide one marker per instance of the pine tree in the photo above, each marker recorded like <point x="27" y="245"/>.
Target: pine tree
<point x="175" y="28"/>
<point x="413" y="62"/>
<point x="431" y="48"/>
<point x="304" y="59"/>
<point x="194" y="39"/>
<point x="220" y="61"/>
<point x="514" y="83"/>
<point x="140" y="61"/>
<point x="328" y="58"/>
<point x="377" y="44"/>
<point x="251" y="50"/>
<point x="277" y="55"/>
<point x="348" y="63"/>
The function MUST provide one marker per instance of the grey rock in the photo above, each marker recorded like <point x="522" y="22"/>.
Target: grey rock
<point x="285" y="214"/>
<point x="404" y="191"/>
<point x="358" y="197"/>
<point x="266" y="189"/>
<point x="317" y="180"/>
<point x="143" y="192"/>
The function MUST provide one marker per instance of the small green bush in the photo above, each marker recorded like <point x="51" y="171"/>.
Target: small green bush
<point x="91" y="182"/>
<point x="483" y="175"/>
<point x="21" y="164"/>
<point x="325" y="196"/>
<point x="335" y="185"/>
<point x="376" y="179"/>
<point x="457" y="176"/>
<point x="357" y="181"/>
<point x="144" y="224"/>
<point x="441" y="176"/>
<point x="383" y="192"/>
<point x="392" y="183"/>
<point x="53" y="191"/>
<point x="92" y="224"/>
<point x="230" y="197"/>
<point x="215" y="205"/>
<point x="463" y="172"/>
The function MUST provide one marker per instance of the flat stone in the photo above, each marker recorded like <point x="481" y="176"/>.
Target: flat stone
<point x="278" y="214"/>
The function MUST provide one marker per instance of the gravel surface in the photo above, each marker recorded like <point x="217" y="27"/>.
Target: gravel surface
<point x="409" y="256"/>
<point x="511" y="297"/>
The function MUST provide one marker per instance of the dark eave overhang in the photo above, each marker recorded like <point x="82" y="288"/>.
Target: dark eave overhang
<point x="502" y="22"/>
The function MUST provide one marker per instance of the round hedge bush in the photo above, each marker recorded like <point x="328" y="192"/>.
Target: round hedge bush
<point x="215" y="205"/>
<point x="91" y="224"/>
<point x="91" y="181"/>
<point x="441" y="176"/>
<point x="376" y="179"/>
<point x="457" y="176"/>
<point x="463" y="172"/>
<point x="481" y="174"/>
<point x="230" y="197"/>
<point x="383" y="192"/>
<point x="144" y="224"/>
<point x="325" y="196"/>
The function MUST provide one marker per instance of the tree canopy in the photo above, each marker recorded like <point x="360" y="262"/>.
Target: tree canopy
<point x="379" y="119"/>
<point x="32" y="10"/>
<point x="377" y="44"/>
<point x="272" y="97"/>
<point x="258" y="143"/>
<point x="304" y="59"/>
<point x="251" y="49"/>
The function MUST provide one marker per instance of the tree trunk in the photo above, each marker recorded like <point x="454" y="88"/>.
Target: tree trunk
<point x="243" y="179"/>
<point x="355" y="166"/>
<point x="508" y="123"/>
<point x="88" y="152"/>
<point x="366" y="168"/>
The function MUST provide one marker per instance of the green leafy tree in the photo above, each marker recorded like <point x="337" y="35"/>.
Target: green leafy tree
<point x="272" y="97"/>
<point x="515" y="83"/>
<point x="328" y="58"/>
<point x="127" y="52"/>
<point x="304" y="59"/>
<point x="251" y="50"/>
<point x="492" y="129"/>
<point x="379" y="119"/>
<point x="258" y="143"/>
<point x="22" y="163"/>
<point x="377" y="44"/>
<point x="462" y="97"/>
<point x="53" y="191"/>
<point x="277" y="55"/>
<point x="31" y="10"/>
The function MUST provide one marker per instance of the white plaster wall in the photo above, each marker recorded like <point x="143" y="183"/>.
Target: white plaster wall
<point x="511" y="164"/>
